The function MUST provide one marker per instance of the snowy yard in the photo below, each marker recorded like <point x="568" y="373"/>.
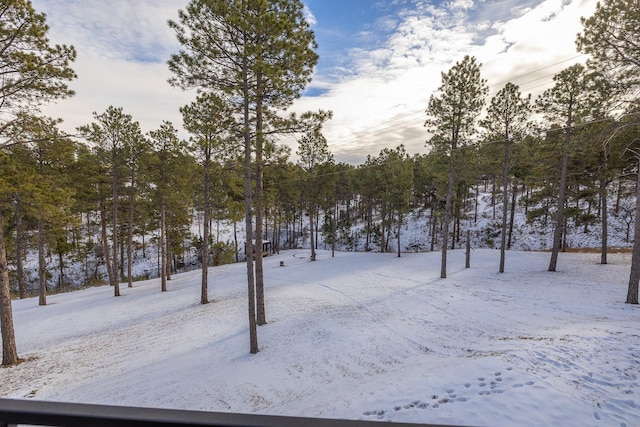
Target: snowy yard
<point x="359" y="336"/>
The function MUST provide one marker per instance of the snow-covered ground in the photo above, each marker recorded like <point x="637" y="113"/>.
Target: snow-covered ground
<point x="359" y="336"/>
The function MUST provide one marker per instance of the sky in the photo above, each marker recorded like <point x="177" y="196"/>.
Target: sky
<point x="380" y="61"/>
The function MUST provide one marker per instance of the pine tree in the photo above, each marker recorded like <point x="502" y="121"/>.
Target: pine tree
<point x="507" y="118"/>
<point x="111" y="132"/>
<point x="566" y="104"/>
<point x="313" y="151"/>
<point x="452" y="115"/>
<point x="209" y="121"/>
<point x="611" y="37"/>
<point x="52" y="156"/>
<point x="33" y="72"/>
<point x="136" y="149"/>
<point x="18" y="174"/>
<point x="398" y="180"/>
<point x="260" y="54"/>
<point x="167" y="150"/>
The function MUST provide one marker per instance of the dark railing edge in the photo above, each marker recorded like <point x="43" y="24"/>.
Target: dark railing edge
<point x="46" y="413"/>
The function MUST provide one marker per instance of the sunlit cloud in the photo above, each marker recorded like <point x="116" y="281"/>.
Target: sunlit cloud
<point x="377" y="80"/>
<point x="514" y="42"/>
<point x="122" y="50"/>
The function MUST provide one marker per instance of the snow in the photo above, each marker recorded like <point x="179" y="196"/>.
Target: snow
<point x="359" y="336"/>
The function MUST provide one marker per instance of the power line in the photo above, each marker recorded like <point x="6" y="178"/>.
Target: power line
<point x="497" y="141"/>
<point x="539" y="69"/>
<point x="407" y="122"/>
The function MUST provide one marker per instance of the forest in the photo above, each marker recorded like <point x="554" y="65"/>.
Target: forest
<point x="103" y="197"/>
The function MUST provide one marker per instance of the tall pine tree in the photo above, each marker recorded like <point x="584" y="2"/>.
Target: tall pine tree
<point x="259" y="55"/>
<point x="33" y="72"/>
<point x="611" y="38"/>
<point x="566" y="104"/>
<point x="452" y="114"/>
<point x="506" y="119"/>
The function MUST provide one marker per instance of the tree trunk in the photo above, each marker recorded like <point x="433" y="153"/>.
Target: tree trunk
<point x="235" y="239"/>
<point x="9" y="350"/>
<point x="634" y="278"/>
<point x="168" y="254"/>
<point x="261" y="317"/>
<point x="399" y="229"/>
<point x="475" y="209"/>
<point x="204" y="292"/>
<point x="604" y="212"/>
<point x="121" y="258"/>
<point x="22" y="287"/>
<point x="144" y="245"/>
<point x="564" y="234"/>
<point x="130" y="234"/>
<point x="253" y="332"/>
<point x="467" y="263"/>
<point x="559" y="226"/>
<point x="616" y="210"/>
<point x="505" y="203"/>
<point x="447" y="210"/>
<point x="105" y="242"/>
<point x="278" y="232"/>
<point x="42" y="263"/>
<point x="513" y="214"/>
<point x="316" y="226"/>
<point x="61" y="265"/>
<point x="114" y="218"/>
<point x="333" y="229"/>
<point x="313" y="248"/>
<point x="163" y="246"/>
<point x="434" y="229"/>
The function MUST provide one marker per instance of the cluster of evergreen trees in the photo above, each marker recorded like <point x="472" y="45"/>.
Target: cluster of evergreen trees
<point x="104" y="190"/>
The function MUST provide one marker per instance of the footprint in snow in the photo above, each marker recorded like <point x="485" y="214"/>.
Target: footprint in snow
<point x="519" y="385"/>
<point x="452" y="395"/>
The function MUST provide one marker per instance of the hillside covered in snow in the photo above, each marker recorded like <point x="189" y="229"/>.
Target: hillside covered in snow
<point x="416" y="235"/>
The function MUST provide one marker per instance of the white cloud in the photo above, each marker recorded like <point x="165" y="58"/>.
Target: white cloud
<point x="129" y="29"/>
<point x="386" y="23"/>
<point x="308" y="15"/>
<point x="122" y="50"/>
<point x="378" y="96"/>
<point x="381" y="103"/>
<point x="461" y="4"/>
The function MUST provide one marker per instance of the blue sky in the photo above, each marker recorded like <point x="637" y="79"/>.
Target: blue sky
<point x="380" y="60"/>
<point x="341" y="26"/>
